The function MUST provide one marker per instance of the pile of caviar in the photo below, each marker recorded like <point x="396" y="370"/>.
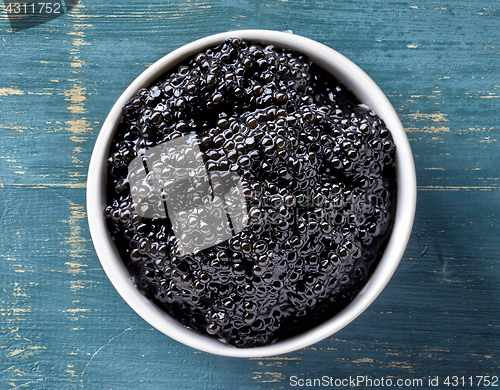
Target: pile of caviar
<point x="316" y="169"/>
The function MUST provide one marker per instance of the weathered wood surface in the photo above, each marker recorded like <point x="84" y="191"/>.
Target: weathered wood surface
<point x="63" y="325"/>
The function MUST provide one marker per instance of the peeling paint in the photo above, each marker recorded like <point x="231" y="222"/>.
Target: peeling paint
<point x="363" y="360"/>
<point x="10" y="91"/>
<point x="435" y="117"/>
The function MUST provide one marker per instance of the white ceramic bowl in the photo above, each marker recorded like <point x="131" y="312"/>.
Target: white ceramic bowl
<point x="363" y="87"/>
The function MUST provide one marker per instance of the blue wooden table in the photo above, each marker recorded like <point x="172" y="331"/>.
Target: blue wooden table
<point x="62" y="323"/>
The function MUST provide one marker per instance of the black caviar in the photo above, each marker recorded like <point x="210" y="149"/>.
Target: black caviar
<point x="316" y="170"/>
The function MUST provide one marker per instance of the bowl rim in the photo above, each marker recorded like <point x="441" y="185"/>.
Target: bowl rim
<point x="363" y="87"/>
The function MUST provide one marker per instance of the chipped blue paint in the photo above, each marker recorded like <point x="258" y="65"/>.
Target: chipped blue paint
<point x="62" y="323"/>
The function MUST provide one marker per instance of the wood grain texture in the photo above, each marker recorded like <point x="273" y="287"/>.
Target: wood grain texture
<point x="62" y="324"/>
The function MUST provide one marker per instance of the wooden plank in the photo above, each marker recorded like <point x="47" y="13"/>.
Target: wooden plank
<point x="62" y="323"/>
